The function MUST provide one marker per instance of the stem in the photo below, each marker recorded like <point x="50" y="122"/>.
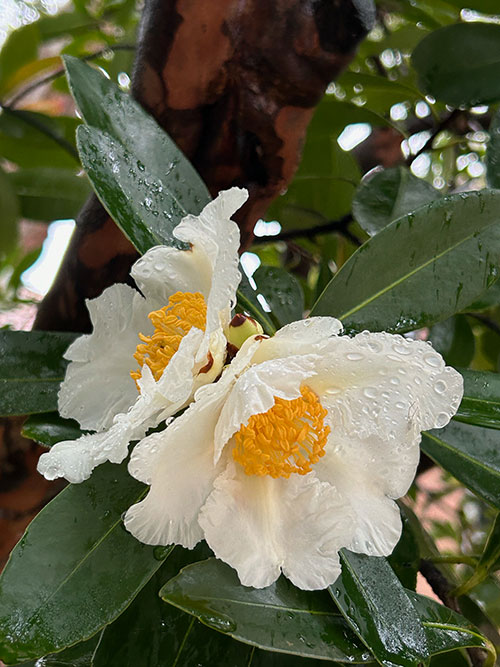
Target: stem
<point x="60" y="72"/>
<point x="340" y="226"/>
<point x="34" y="121"/>
<point x="487" y="321"/>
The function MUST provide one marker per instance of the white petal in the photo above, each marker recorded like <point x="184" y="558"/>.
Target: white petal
<point x="262" y="526"/>
<point x="255" y="392"/>
<point x="178" y="464"/>
<point x="301" y="337"/>
<point x="360" y="481"/>
<point x="219" y="236"/>
<point x="98" y="385"/>
<point x="163" y="270"/>
<point x="76" y="459"/>
<point x="386" y="385"/>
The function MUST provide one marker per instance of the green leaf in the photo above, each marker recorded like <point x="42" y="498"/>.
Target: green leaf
<point x="442" y="257"/>
<point x="278" y="618"/>
<point x="458" y="64"/>
<point x="282" y="291"/>
<point x="35" y="140"/>
<point x="493" y="152"/>
<point x="378" y="609"/>
<point x="75" y="569"/>
<point x="454" y="340"/>
<point x="469" y="453"/>
<point x="138" y="200"/>
<point x="9" y="213"/>
<point x="324" y="183"/>
<point x="49" y="428"/>
<point x="49" y="193"/>
<point x="405" y="559"/>
<point x="248" y="302"/>
<point x="79" y="655"/>
<point x="31" y="370"/>
<point x="481" y="402"/>
<point x="388" y="195"/>
<point x="20" y="48"/>
<point x="142" y="163"/>
<point x="446" y="630"/>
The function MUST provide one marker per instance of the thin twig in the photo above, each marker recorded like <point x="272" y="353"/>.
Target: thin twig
<point x="60" y="72"/>
<point x="339" y="226"/>
<point x="35" y="122"/>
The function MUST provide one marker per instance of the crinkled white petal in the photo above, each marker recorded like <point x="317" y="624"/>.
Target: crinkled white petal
<point x="76" y="459"/>
<point x="386" y="385"/>
<point x="263" y="526"/>
<point x="219" y="237"/>
<point x="301" y="337"/>
<point x="256" y="390"/>
<point x="98" y="385"/>
<point x="362" y="484"/>
<point x="178" y="464"/>
<point x="163" y="271"/>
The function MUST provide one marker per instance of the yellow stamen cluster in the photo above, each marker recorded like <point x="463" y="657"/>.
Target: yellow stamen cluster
<point x="172" y="322"/>
<point x="288" y="438"/>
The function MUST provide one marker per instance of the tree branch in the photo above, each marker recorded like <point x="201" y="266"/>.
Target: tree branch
<point x="340" y="226"/>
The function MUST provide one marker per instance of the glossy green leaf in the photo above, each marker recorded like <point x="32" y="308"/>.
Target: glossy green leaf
<point x="423" y="268"/>
<point x="469" y="453"/>
<point x="248" y="302"/>
<point x="75" y="569"/>
<point x="136" y="198"/>
<point x="458" y="64"/>
<point x="31" y="370"/>
<point x="279" y="618"/>
<point x="35" y="140"/>
<point x="282" y="291"/>
<point x="454" y="340"/>
<point x="405" y="559"/>
<point x="446" y="630"/>
<point x="49" y="428"/>
<point x="9" y="213"/>
<point x="49" y="193"/>
<point x="481" y="402"/>
<point x="153" y="155"/>
<point x="388" y="195"/>
<point x="493" y="153"/>
<point x="378" y="609"/>
<point x="79" y="655"/>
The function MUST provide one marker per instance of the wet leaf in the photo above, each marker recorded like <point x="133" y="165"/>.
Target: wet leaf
<point x="31" y="370"/>
<point x="282" y="291"/>
<point x="469" y="453"/>
<point x="423" y="268"/>
<point x="378" y="609"/>
<point x="75" y="569"/>
<point x="49" y="428"/>
<point x="278" y="618"/>
<point x="481" y="401"/>
<point x="454" y="340"/>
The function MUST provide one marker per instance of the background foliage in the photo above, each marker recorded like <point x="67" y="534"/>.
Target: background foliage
<point x="423" y="91"/>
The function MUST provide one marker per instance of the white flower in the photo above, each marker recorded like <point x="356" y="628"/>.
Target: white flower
<point x="298" y="450"/>
<point x="121" y="385"/>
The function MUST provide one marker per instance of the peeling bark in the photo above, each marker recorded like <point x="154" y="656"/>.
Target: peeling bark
<point x="235" y="84"/>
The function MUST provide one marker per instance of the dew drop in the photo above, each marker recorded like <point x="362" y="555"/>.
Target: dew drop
<point x="355" y="356"/>
<point x="442" y="419"/>
<point x="440" y="387"/>
<point x="432" y="360"/>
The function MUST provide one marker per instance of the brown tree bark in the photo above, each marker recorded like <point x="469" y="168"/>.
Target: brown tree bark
<point x="235" y="84"/>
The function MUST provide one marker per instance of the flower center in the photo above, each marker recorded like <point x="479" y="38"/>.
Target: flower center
<point x="172" y="322"/>
<point x="288" y="438"/>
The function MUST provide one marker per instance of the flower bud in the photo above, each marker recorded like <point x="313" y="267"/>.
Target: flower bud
<point x="240" y="328"/>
